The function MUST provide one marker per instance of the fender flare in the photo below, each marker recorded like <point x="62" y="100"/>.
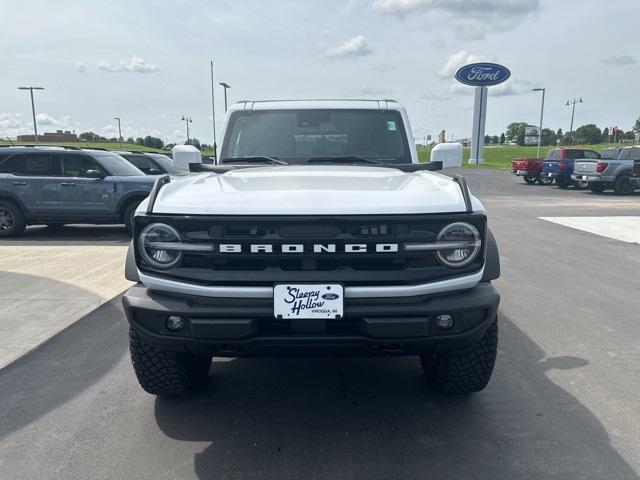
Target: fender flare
<point x="492" y="259"/>
<point x="130" y="268"/>
<point x="14" y="198"/>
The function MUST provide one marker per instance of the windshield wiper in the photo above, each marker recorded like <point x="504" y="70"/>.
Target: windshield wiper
<point x="258" y="159"/>
<point x="342" y="160"/>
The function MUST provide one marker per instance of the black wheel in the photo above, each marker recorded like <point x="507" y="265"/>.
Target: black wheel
<point x="12" y="221"/>
<point x="166" y="373"/>
<point x="596" y="187"/>
<point x="563" y="182"/>
<point x="530" y="179"/>
<point x="545" y="180"/>
<point x="622" y="185"/>
<point x="127" y="215"/>
<point x="465" y="369"/>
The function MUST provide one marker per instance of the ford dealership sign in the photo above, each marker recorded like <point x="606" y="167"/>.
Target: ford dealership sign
<point x="482" y="74"/>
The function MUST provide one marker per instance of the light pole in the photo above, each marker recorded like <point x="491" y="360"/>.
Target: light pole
<point x="187" y="120"/>
<point x="213" y="115"/>
<point x="573" y="111"/>
<point x="225" y="86"/>
<point x="543" y="90"/>
<point x="33" y="107"/>
<point x="119" y="131"/>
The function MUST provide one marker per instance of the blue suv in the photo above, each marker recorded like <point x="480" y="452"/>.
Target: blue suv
<point x="58" y="185"/>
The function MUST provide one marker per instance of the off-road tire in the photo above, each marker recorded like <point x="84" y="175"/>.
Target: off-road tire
<point x="127" y="216"/>
<point x="597" y="187"/>
<point x="164" y="372"/>
<point x="462" y="370"/>
<point x="622" y="185"/>
<point x="12" y="221"/>
<point x="563" y="182"/>
<point x="530" y="179"/>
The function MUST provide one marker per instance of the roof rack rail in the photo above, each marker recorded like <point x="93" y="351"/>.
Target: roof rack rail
<point x="462" y="182"/>
<point x="157" y="185"/>
<point x="33" y="145"/>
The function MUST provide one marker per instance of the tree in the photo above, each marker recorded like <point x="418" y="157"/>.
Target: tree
<point x="487" y="139"/>
<point x="630" y="135"/>
<point x="140" y="141"/>
<point x="605" y="135"/>
<point x="548" y="137"/>
<point x="495" y="140"/>
<point x="502" y="138"/>
<point x="195" y="142"/>
<point x="636" y="126"/>
<point x="91" y="137"/>
<point x="515" y="131"/>
<point x="559" y="137"/>
<point x="588" y="134"/>
<point x="130" y="140"/>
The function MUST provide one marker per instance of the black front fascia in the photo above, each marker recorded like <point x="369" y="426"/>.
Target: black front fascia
<point x="351" y="269"/>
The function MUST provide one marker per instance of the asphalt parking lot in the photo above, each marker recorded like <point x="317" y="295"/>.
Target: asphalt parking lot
<point x="564" y="401"/>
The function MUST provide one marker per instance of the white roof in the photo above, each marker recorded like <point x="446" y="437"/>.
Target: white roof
<point x="312" y="104"/>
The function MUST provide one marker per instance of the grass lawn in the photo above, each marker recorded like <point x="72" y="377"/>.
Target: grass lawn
<point x="131" y="147"/>
<point x="498" y="156"/>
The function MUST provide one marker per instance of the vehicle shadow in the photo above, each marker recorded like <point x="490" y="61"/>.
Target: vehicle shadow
<point x="71" y="235"/>
<point x="374" y="418"/>
<point x="63" y="367"/>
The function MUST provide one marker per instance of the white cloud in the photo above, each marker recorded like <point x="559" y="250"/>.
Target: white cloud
<point x="371" y="91"/>
<point x="468" y="19"/>
<point x="135" y="64"/>
<point x="355" y="47"/>
<point x="80" y="67"/>
<point x="457" y="60"/>
<point x="619" y="60"/>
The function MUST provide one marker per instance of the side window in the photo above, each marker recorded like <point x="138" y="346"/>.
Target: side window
<point x="142" y="162"/>
<point x="553" y="155"/>
<point x="635" y="153"/>
<point x="590" y="154"/>
<point x="32" y="164"/>
<point x="78" y="165"/>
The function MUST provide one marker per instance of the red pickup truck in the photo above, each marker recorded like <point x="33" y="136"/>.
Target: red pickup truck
<point x="530" y="169"/>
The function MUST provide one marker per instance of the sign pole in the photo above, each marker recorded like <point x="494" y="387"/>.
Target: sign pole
<point x="479" y="117"/>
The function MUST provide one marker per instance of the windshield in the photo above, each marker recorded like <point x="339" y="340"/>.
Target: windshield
<point x="115" y="164"/>
<point x="299" y="135"/>
<point x="165" y="162"/>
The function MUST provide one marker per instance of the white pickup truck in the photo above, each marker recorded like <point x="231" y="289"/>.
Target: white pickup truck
<point x="318" y="232"/>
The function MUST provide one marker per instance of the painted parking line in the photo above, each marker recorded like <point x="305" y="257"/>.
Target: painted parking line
<point x="44" y="289"/>
<point x="623" y="228"/>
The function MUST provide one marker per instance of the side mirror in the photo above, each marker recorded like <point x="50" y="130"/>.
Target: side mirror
<point x="153" y="171"/>
<point x="94" y="174"/>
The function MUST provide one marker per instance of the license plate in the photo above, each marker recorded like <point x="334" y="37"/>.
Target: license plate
<point x="522" y="172"/>
<point x="549" y="174"/>
<point x="308" y="300"/>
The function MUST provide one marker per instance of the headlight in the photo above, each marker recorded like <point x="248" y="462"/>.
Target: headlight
<point x="465" y="244"/>
<point x="155" y="245"/>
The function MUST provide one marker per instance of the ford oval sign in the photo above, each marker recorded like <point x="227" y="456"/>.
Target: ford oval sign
<point x="482" y="74"/>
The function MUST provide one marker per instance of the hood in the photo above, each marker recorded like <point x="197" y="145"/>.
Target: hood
<point x="310" y="190"/>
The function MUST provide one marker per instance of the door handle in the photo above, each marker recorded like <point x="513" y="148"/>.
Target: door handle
<point x="19" y="184"/>
<point x="68" y="184"/>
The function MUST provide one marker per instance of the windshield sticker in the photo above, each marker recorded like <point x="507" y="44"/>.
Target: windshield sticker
<point x="391" y="126"/>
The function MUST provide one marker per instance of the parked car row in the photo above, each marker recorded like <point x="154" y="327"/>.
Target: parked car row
<point x="611" y="169"/>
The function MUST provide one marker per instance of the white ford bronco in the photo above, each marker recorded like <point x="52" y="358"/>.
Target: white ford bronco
<point x="316" y="233"/>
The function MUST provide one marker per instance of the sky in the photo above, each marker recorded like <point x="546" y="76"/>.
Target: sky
<point x="148" y="62"/>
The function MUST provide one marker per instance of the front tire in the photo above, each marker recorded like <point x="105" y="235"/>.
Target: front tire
<point x="530" y="179"/>
<point x="164" y="372"/>
<point x="596" y="187"/>
<point x="623" y="186"/>
<point x="463" y="370"/>
<point x="12" y="221"/>
<point x="563" y="182"/>
<point x="545" y="180"/>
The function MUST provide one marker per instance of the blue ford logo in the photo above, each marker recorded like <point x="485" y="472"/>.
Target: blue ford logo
<point x="482" y="74"/>
<point x="330" y="296"/>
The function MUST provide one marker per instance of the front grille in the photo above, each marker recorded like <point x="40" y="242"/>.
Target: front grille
<point x="258" y="269"/>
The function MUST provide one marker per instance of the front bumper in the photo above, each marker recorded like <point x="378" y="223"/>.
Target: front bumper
<point x="525" y="173"/>
<point x="371" y="326"/>
<point x="635" y="180"/>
